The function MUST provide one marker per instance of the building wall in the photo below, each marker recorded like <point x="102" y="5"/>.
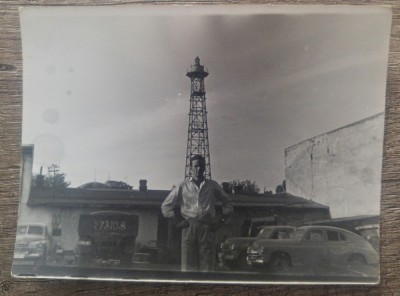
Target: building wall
<point x="27" y="214"/>
<point x="300" y="216"/>
<point x="69" y="219"/>
<point x="148" y="223"/>
<point x="340" y="169"/>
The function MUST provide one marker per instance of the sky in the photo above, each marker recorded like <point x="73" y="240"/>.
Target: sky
<point x="105" y="92"/>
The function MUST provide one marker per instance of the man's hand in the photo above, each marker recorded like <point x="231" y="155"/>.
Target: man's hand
<point x="180" y="223"/>
<point x="183" y="224"/>
<point x="226" y="219"/>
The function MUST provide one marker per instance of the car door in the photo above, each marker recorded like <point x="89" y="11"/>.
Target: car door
<point x="339" y="247"/>
<point x="312" y="250"/>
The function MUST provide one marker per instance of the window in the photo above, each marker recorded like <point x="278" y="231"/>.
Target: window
<point x="333" y="236"/>
<point x="298" y="234"/>
<point x="35" y="230"/>
<point x="283" y="234"/>
<point x="265" y="233"/>
<point x="342" y="237"/>
<point x="315" y="235"/>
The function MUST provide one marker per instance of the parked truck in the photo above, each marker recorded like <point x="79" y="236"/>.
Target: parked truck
<point x="32" y="244"/>
<point x="107" y="236"/>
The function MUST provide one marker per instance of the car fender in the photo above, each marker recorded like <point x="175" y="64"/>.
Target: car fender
<point x="367" y="251"/>
<point x="271" y="250"/>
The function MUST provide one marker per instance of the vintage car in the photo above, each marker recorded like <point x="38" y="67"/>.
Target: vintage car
<point x="107" y="236"/>
<point x="312" y="245"/>
<point x="233" y="251"/>
<point x="32" y="244"/>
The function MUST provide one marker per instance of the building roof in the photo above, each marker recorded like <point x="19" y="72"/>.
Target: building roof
<point x="92" y="197"/>
<point x="151" y="198"/>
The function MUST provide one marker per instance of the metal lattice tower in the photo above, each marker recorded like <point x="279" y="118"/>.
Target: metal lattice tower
<point x="197" y="140"/>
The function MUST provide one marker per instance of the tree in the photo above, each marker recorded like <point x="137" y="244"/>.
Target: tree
<point x="281" y="188"/>
<point x="245" y="186"/>
<point x="53" y="179"/>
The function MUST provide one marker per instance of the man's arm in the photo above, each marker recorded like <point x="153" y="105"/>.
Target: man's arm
<point x="227" y="204"/>
<point x="172" y="200"/>
<point x="168" y="208"/>
<point x="227" y="208"/>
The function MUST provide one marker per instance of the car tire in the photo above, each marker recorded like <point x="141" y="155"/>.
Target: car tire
<point x="280" y="263"/>
<point x="356" y="260"/>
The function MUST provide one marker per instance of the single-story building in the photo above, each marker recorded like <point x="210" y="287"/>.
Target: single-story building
<point x="60" y="209"/>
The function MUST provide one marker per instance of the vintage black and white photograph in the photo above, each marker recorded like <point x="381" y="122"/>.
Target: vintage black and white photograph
<point x="219" y="144"/>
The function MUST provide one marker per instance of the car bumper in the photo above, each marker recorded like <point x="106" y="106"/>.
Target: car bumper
<point x="255" y="259"/>
<point x="24" y="262"/>
<point x="26" y="255"/>
<point x="227" y="257"/>
<point x="24" y="258"/>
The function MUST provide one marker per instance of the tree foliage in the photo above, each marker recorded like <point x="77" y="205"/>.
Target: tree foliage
<point x="50" y="180"/>
<point x="246" y="186"/>
<point x="281" y="188"/>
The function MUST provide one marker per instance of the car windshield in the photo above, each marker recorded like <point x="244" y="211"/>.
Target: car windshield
<point x="298" y="234"/>
<point x="264" y="233"/>
<point x="35" y="230"/>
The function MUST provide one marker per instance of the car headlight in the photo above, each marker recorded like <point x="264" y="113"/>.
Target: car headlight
<point x="231" y="247"/>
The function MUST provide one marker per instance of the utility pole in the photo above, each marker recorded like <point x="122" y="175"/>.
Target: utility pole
<point x="54" y="169"/>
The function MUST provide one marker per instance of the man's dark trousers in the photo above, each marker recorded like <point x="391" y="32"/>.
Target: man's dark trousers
<point x="198" y="247"/>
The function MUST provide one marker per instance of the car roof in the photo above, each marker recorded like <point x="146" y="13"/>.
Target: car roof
<point x="325" y="227"/>
<point x="350" y="235"/>
<point x="32" y="224"/>
<point x="111" y="213"/>
<point x="278" y="227"/>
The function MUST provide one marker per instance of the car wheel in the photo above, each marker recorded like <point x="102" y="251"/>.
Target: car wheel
<point x="280" y="263"/>
<point x="356" y="260"/>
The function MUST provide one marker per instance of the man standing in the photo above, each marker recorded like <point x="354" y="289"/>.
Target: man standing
<point x="196" y="198"/>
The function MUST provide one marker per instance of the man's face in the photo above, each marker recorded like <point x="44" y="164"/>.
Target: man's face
<point x="198" y="168"/>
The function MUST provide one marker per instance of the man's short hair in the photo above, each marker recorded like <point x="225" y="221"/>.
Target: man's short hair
<point x="197" y="157"/>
